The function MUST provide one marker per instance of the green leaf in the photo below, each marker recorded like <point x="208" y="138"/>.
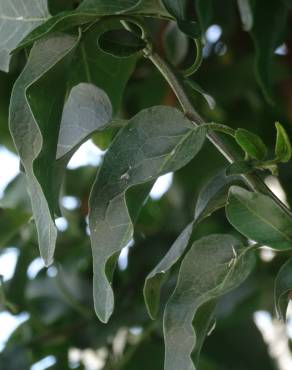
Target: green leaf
<point x="17" y="19"/>
<point x="214" y="265"/>
<point x="88" y="109"/>
<point x="211" y="198"/>
<point x="267" y="33"/>
<point x="90" y="11"/>
<point x="197" y="88"/>
<point x="283" y="286"/>
<point x="283" y="145"/>
<point x="35" y="112"/>
<point x="120" y="43"/>
<point x="251" y="143"/>
<point x="156" y="141"/>
<point x="213" y="195"/>
<point x="175" y="44"/>
<point x="205" y="11"/>
<point x="11" y="221"/>
<point x="92" y="65"/>
<point x="159" y="274"/>
<point x="259" y="218"/>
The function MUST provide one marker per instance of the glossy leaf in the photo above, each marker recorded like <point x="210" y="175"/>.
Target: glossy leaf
<point x="283" y="286"/>
<point x="251" y="143"/>
<point x="214" y="265"/>
<point x="283" y="145"/>
<point x="267" y="33"/>
<point x="35" y="131"/>
<point x="17" y="19"/>
<point x="156" y="141"/>
<point x="120" y="43"/>
<point x="259" y="218"/>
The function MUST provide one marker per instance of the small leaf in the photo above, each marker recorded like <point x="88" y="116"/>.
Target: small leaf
<point x="17" y="19"/>
<point x="156" y="141"/>
<point x="195" y="87"/>
<point x="283" y="285"/>
<point x="213" y="195"/>
<point x="120" y="43"/>
<point x="283" y="145"/>
<point x="251" y="143"/>
<point x="259" y="218"/>
<point x="214" y="265"/>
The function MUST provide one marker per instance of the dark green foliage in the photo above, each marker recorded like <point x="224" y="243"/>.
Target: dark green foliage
<point x="97" y="69"/>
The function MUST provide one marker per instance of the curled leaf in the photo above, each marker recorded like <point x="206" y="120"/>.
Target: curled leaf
<point x="283" y="145"/>
<point x="283" y="285"/>
<point x="156" y="141"/>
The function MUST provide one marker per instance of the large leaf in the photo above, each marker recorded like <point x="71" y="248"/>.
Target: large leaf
<point x="214" y="265"/>
<point x="35" y="112"/>
<point x="17" y="19"/>
<point x="267" y="33"/>
<point x="103" y="70"/>
<point x="212" y="197"/>
<point x="283" y="285"/>
<point x="156" y="141"/>
<point x="259" y="218"/>
<point x="90" y="11"/>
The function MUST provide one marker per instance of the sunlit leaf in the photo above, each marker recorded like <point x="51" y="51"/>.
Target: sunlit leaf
<point x="283" y="145"/>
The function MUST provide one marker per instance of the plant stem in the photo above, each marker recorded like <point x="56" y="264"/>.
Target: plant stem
<point x="253" y="180"/>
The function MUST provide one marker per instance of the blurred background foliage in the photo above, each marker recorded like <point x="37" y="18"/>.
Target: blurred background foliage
<point x="57" y="328"/>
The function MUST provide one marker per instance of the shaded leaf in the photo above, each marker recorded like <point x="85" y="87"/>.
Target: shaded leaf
<point x="121" y="43"/>
<point x="156" y="141"/>
<point x="205" y="10"/>
<point x="90" y="11"/>
<point x="92" y="65"/>
<point x="17" y="19"/>
<point x="259" y="218"/>
<point x="11" y="221"/>
<point x="159" y="274"/>
<point x="214" y="265"/>
<point x="283" y="145"/>
<point x="195" y="87"/>
<point x="213" y="195"/>
<point x="283" y="285"/>
<point x="34" y="125"/>
<point x="239" y="167"/>
<point x="251" y="143"/>
<point x="267" y="33"/>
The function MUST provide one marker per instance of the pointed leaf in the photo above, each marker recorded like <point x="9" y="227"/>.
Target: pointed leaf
<point x="259" y="218"/>
<point x="156" y="141"/>
<point x="214" y="265"/>
<point x="283" y="286"/>
<point x="283" y="145"/>
<point x="120" y="43"/>
<point x="251" y="143"/>
<point x="34" y="125"/>
<point x="17" y="19"/>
